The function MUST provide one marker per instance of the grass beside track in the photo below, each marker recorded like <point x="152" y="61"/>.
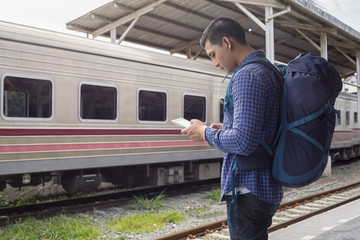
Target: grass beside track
<point x="70" y="227"/>
<point x="145" y="222"/>
<point x="59" y="227"/>
<point x="147" y="217"/>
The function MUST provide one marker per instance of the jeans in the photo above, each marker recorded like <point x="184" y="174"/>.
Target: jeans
<point x="253" y="217"/>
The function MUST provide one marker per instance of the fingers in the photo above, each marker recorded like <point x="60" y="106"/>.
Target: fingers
<point x="196" y="131"/>
<point x="195" y="121"/>
<point x="184" y="131"/>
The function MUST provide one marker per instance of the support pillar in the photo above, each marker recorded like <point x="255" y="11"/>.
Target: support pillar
<point x="323" y="45"/>
<point x="113" y="35"/>
<point x="269" y="34"/>
<point x="324" y="54"/>
<point x="327" y="170"/>
<point x="358" y="79"/>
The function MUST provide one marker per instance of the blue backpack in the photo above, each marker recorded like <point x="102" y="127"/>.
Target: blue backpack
<point x="310" y="86"/>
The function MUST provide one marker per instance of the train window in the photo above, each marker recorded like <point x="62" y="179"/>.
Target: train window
<point x="25" y="97"/>
<point x="98" y="102"/>
<point x="338" y="118"/>
<point x="152" y="106"/>
<point x="221" y="110"/>
<point x="355" y="117"/>
<point x="194" y="107"/>
<point x="347" y="118"/>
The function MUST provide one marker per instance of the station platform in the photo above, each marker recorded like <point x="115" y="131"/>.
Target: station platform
<point x="337" y="224"/>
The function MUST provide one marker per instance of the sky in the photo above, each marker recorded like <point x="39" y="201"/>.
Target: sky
<point x="47" y="14"/>
<point x="54" y="14"/>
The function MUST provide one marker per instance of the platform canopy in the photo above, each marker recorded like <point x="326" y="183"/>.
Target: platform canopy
<point x="282" y="28"/>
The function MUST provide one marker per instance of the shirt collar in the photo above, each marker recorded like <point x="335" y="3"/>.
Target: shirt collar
<point x="257" y="53"/>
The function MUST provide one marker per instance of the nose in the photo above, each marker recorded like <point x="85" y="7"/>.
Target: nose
<point x="216" y="64"/>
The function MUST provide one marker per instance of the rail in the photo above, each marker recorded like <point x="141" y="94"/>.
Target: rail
<point x="287" y="214"/>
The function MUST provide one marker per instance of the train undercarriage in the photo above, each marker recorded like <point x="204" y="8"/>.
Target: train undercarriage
<point x="135" y="176"/>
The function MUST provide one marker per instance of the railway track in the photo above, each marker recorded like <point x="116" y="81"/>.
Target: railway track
<point x="287" y="214"/>
<point x="9" y="215"/>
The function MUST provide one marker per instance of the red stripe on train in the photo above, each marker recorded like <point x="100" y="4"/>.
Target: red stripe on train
<point x="93" y="146"/>
<point x="44" y="132"/>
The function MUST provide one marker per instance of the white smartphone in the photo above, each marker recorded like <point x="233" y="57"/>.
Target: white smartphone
<point x="182" y="122"/>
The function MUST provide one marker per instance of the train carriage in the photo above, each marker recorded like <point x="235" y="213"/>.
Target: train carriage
<point x="85" y="110"/>
<point x="346" y="140"/>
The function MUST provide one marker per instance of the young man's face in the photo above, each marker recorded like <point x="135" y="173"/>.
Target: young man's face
<point x="221" y="55"/>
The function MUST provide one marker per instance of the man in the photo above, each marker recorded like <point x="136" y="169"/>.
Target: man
<point x="253" y="115"/>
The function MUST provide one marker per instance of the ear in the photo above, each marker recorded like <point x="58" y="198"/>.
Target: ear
<point x="226" y="43"/>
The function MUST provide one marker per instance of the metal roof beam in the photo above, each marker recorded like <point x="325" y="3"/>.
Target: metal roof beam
<point x="339" y="44"/>
<point x="176" y="23"/>
<point x="346" y="55"/>
<point x="141" y="42"/>
<point x="126" y="18"/>
<point x="280" y="42"/>
<point x="102" y="18"/>
<point x="122" y="37"/>
<point x="198" y="53"/>
<point x="78" y="28"/>
<point x="265" y="3"/>
<point x="184" y="46"/>
<point x="163" y="19"/>
<point x="147" y="30"/>
<point x="116" y="5"/>
<point x="251" y="16"/>
<point x="188" y="52"/>
<point x="342" y="45"/>
<point x="189" y="10"/>
<point x="268" y="27"/>
<point x="167" y="35"/>
<point x="346" y="74"/>
<point x="285" y="40"/>
<point x="309" y="39"/>
<point x="307" y="27"/>
<point x="287" y="10"/>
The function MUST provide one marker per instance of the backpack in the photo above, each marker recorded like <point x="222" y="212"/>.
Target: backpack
<point x="310" y="86"/>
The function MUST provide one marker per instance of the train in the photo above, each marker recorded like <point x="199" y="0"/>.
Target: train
<point x="79" y="112"/>
<point x="345" y="143"/>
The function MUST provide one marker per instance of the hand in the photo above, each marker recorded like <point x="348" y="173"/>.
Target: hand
<point x="196" y="131"/>
<point x="217" y="126"/>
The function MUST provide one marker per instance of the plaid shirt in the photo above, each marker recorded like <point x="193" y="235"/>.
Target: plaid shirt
<point x="255" y="91"/>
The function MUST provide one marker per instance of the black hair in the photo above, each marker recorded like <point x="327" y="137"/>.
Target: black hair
<point x="223" y="27"/>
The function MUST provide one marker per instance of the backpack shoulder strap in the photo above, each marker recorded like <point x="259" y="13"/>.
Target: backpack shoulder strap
<point x="279" y="72"/>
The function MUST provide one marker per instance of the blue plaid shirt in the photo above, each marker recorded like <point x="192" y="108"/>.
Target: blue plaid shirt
<point x="255" y="91"/>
